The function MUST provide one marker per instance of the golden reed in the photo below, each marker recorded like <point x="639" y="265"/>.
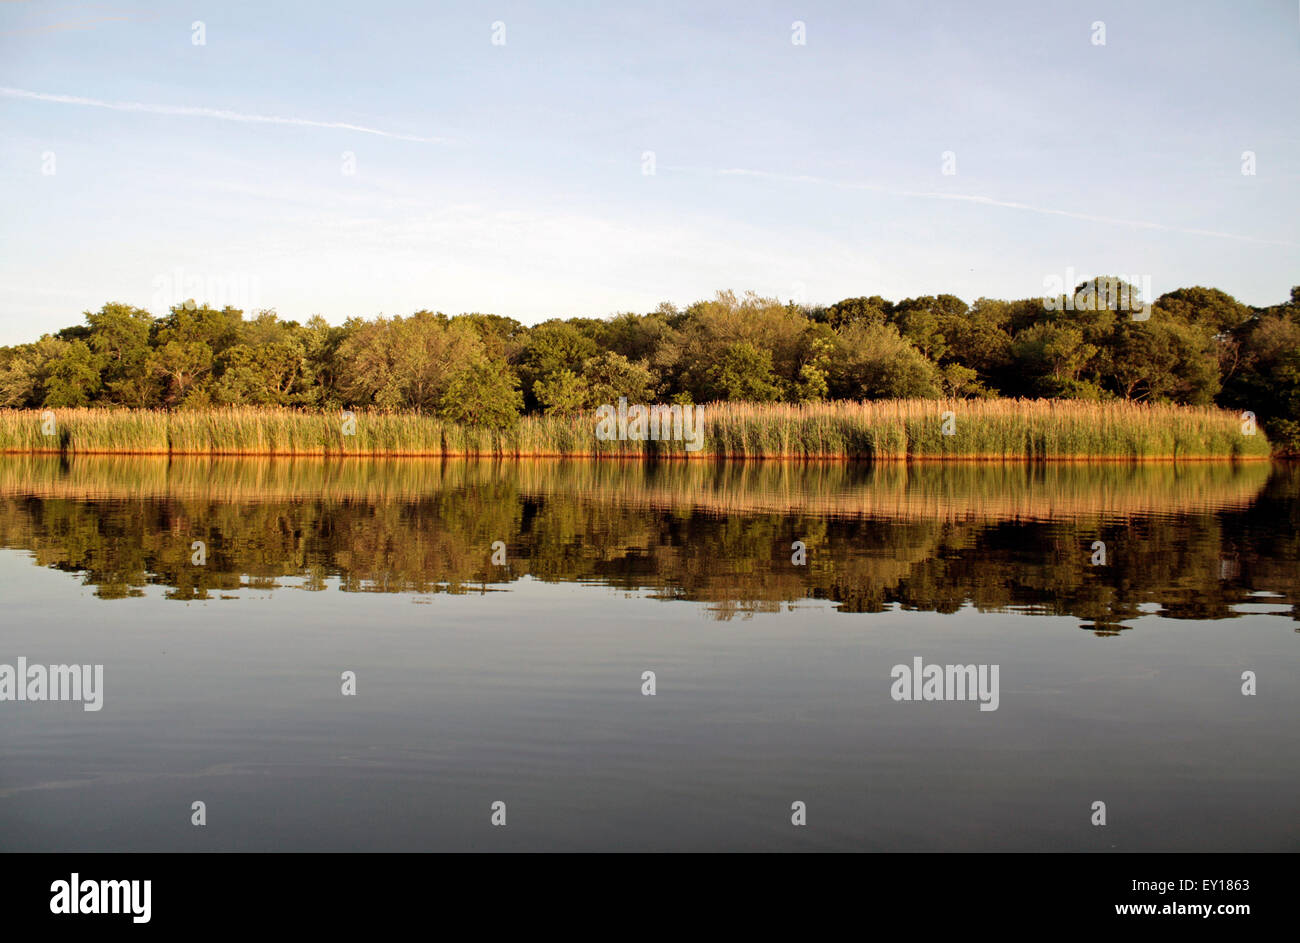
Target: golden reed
<point x="1003" y="429"/>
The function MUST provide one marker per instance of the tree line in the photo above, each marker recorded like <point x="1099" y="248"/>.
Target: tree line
<point x="1193" y="346"/>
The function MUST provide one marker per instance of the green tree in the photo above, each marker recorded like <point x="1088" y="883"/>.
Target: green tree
<point x="874" y="310"/>
<point x="550" y="348"/>
<point x="217" y="329"/>
<point x="483" y="393"/>
<point x="1208" y="307"/>
<point x="71" y="375"/>
<point x="924" y="321"/>
<point x="180" y="366"/>
<point x="813" y="382"/>
<point x="501" y="336"/>
<point x="120" y="337"/>
<point x="637" y="337"/>
<point x="20" y="376"/>
<point x="563" y="393"/>
<point x="980" y="338"/>
<point x="1052" y="357"/>
<point x="704" y="347"/>
<point x="1267" y="381"/>
<point x="743" y="372"/>
<point x="405" y="363"/>
<point x="265" y="375"/>
<point x="876" y="362"/>
<point x="321" y="377"/>
<point x="1162" y="359"/>
<point x="609" y="375"/>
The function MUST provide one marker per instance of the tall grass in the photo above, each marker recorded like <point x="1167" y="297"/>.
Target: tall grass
<point x="882" y="430"/>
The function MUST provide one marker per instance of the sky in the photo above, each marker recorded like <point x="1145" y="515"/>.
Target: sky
<point x="562" y="159"/>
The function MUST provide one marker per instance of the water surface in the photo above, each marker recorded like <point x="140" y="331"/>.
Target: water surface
<point x="522" y="682"/>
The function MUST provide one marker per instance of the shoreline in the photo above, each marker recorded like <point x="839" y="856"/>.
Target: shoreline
<point x="654" y="457"/>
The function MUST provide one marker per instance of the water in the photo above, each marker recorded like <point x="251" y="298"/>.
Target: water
<point x="522" y="683"/>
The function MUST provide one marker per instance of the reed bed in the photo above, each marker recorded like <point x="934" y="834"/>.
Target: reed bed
<point x="885" y="430"/>
<point x="918" y="491"/>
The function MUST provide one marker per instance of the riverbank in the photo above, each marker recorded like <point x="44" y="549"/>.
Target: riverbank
<point x="884" y="430"/>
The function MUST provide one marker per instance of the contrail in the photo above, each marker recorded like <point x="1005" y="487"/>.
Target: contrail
<point x="79" y="24"/>
<point x="1008" y="204"/>
<point x="195" y="112"/>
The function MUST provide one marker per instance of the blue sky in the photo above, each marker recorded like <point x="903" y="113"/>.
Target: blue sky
<point x="509" y="178"/>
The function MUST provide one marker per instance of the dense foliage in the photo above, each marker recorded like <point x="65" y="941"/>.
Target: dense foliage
<point x="1198" y="346"/>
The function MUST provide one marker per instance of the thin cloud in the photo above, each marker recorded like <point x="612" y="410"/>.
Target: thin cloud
<point x="78" y="24"/>
<point x="219" y="114"/>
<point x="1007" y="204"/>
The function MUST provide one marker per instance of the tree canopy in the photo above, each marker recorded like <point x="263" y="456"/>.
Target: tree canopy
<point x="1196" y="345"/>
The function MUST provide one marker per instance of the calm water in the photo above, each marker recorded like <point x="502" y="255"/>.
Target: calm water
<point x="522" y="682"/>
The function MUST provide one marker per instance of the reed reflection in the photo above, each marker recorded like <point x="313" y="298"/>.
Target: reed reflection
<point x="1196" y="540"/>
